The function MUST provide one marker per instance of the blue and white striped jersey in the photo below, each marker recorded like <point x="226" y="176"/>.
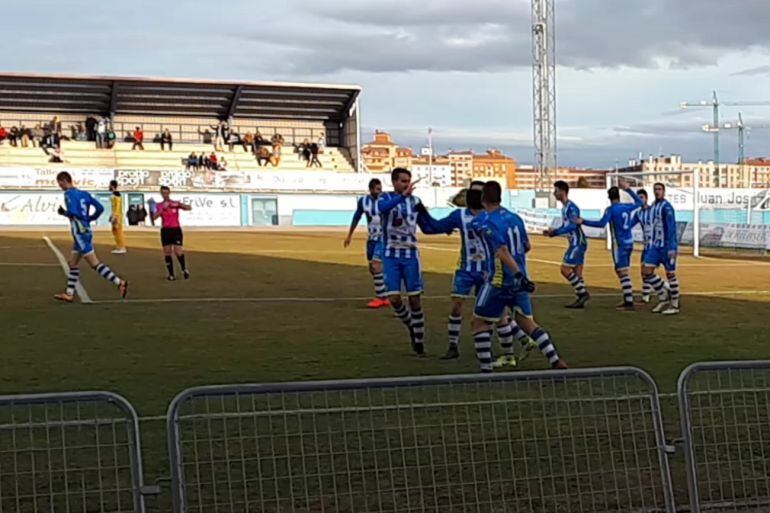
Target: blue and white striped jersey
<point x="473" y="254"/>
<point x="643" y="216"/>
<point x="664" y="225"/>
<point x="503" y="228"/>
<point x="78" y="205"/>
<point x="365" y="206"/>
<point x="574" y="232"/>
<point x="398" y="215"/>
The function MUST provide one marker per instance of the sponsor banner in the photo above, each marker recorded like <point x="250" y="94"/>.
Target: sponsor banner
<point x="730" y="235"/>
<point x="207" y="209"/>
<point x="29" y="209"/>
<point x="146" y="179"/>
<point x="26" y="178"/>
<point x="718" y="199"/>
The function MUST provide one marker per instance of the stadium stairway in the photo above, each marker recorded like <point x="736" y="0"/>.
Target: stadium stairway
<point x="81" y="154"/>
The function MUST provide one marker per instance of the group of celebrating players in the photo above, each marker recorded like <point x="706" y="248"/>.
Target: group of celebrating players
<point x="492" y="266"/>
<point x="82" y="209"/>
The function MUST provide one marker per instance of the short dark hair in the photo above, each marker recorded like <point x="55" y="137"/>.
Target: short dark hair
<point x="399" y="171"/>
<point x="165" y="188"/>
<point x="476" y="183"/>
<point x="64" y="176"/>
<point x="374" y="182"/>
<point x="492" y="193"/>
<point x="614" y="193"/>
<point x="561" y="185"/>
<point x="642" y="191"/>
<point x="113" y="183"/>
<point x="661" y="184"/>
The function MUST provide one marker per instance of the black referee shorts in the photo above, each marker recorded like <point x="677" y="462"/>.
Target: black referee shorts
<point x="171" y="236"/>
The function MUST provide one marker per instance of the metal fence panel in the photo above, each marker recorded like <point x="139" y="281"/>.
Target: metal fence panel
<point x="725" y="415"/>
<point x="70" y="452"/>
<point x="584" y="441"/>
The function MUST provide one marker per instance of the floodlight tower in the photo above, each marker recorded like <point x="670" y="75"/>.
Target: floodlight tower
<point x="544" y="89"/>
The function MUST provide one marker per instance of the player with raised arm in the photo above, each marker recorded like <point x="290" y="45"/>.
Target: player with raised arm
<point x="374" y="242"/>
<point x="574" y="258"/>
<point x="171" y="236"/>
<point x="398" y="211"/>
<point x="621" y="218"/>
<point x="507" y="285"/>
<point x="116" y="219"/>
<point x="77" y="209"/>
<point x="469" y="276"/>
<point x="643" y="217"/>
<point x="664" y="251"/>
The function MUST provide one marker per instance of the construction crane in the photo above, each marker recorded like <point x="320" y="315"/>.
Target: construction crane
<point x="544" y="89"/>
<point x="742" y="130"/>
<point x="714" y="104"/>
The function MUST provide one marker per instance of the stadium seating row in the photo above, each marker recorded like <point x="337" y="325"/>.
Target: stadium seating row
<point x="83" y="154"/>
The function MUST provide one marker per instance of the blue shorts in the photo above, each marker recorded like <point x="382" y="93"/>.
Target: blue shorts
<point x="374" y="250"/>
<point x="83" y="243"/>
<point x="467" y="283"/>
<point x="402" y="271"/>
<point x="659" y="256"/>
<point x="492" y="301"/>
<point x="644" y="254"/>
<point x="575" y="255"/>
<point x="621" y="255"/>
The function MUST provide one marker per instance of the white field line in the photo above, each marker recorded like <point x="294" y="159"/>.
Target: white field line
<point x="81" y="291"/>
<point x="366" y="298"/>
<point x="26" y="264"/>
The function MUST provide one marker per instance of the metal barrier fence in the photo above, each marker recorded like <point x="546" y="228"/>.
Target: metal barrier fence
<point x="73" y="452"/>
<point x="725" y="415"/>
<point x="581" y="441"/>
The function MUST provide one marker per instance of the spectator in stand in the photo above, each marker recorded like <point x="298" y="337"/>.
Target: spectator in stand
<point x="314" y="152"/>
<point x="13" y="136"/>
<point x="204" y="161"/>
<point x="138" y="139"/>
<point x="213" y="161"/>
<point x="101" y="132"/>
<point x="205" y="136"/>
<point x="165" y="138"/>
<point x="304" y="152"/>
<point x="3" y="134"/>
<point x="24" y="136"/>
<point x="232" y="139"/>
<point x="82" y="134"/>
<point x="248" y="143"/>
<point x="222" y="133"/>
<point x="55" y="126"/>
<point x="258" y="139"/>
<point x="277" y="138"/>
<point x="133" y="215"/>
<point x="192" y="162"/>
<point x="321" y="143"/>
<point x="276" y="158"/>
<point x="111" y="139"/>
<point x="37" y="136"/>
<point x="263" y="156"/>
<point x="223" y="164"/>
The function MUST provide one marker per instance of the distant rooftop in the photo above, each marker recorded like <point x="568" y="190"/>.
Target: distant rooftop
<point x="174" y="97"/>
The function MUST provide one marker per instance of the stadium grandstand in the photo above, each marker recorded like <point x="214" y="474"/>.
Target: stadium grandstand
<point x="190" y="110"/>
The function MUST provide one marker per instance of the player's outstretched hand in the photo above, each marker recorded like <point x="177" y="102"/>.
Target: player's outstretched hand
<point x="526" y="284"/>
<point x="578" y="221"/>
<point x="347" y="241"/>
<point x="62" y="211"/>
<point x="548" y="232"/>
<point x="625" y="185"/>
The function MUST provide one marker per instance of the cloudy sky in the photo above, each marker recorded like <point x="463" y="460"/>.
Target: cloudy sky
<point x="462" y="67"/>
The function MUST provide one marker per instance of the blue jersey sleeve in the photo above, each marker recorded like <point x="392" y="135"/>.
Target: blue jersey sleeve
<point x="669" y="221"/>
<point x="637" y="200"/>
<point x="358" y="214"/>
<point x="569" y="226"/>
<point x="601" y="223"/>
<point x="431" y="226"/>
<point x="386" y="203"/>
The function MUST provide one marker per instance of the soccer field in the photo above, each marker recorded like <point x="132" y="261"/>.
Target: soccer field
<point x="289" y="305"/>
